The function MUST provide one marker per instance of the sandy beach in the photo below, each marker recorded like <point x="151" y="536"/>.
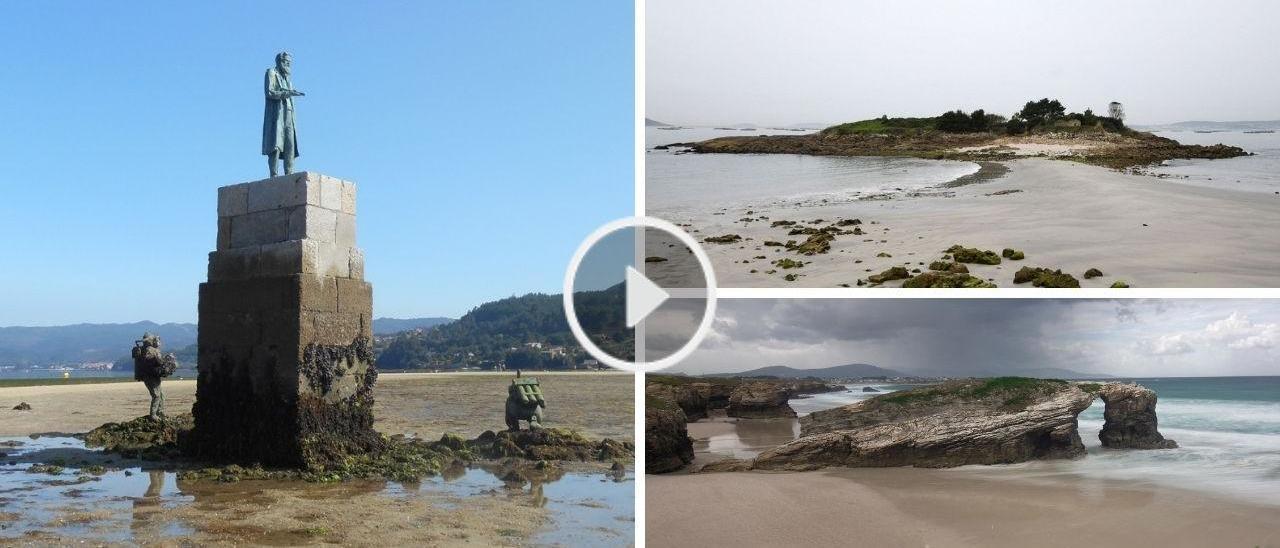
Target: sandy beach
<point x="422" y="404"/>
<point x="919" y="507"/>
<point x="463" y="507"/>
<point x="1146" y="231"/>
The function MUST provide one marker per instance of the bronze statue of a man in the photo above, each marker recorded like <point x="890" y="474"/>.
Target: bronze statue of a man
<point x="150" y="366"/>
<point x="279" y="135"/>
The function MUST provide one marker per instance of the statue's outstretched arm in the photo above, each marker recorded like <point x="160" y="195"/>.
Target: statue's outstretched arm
<point x="275" y="90"/>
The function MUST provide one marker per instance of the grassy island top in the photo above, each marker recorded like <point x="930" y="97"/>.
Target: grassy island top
<point x="1040" y="116"/>
<point x="976" y="136"/>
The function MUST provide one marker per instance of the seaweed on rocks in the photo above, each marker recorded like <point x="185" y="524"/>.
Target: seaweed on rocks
<point x="946" y="280"/>
<point x="1043" y="277"/>
<point x="725" y="239"/>
<point x="895" y="273"/>
<point x="961" y="254"/>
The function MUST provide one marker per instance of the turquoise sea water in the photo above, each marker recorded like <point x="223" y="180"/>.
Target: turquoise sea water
<point x="1227" y="429"/>
<point x="1228" y="434"/>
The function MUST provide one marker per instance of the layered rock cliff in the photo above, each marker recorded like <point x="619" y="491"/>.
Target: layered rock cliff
<point x="992" y="421"/>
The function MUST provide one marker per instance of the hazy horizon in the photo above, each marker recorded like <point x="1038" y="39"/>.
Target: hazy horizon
<point x="966" y="337"/>
<point x="724" y="63"/>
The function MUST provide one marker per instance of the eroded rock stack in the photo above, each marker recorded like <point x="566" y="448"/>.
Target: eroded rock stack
<point x="1130" y="418"/>
<point x="286" y="370"/>
<point x="760" y="400"/>
<point x="666" y="437"/>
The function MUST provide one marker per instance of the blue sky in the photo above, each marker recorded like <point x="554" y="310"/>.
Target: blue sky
<point x="486" y="139"/>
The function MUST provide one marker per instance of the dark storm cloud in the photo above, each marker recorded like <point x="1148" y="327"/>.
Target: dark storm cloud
<point x="985" y="336"/>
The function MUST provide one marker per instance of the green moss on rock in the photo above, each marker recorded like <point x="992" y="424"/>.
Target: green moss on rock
<point x="1043" y="277"/>
<point x="946" y="280"/>
<point x="961" y="254"/>
<point x="895" y="273"/>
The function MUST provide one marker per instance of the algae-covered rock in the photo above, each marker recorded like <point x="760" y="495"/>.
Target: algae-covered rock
<point x="776" y="224"/>
<point x="947" y="266"/>
<point x="143" y="437"/>
<point x="788" y="263"/>
<point x="551" y="444"/>
<point x="945" y="279"/>
<point x="895" y="273"/>
<point x="1120" y="284"/>
<point x="816" y="243"/>
<point x="961" y="254"/>
<point x="1043" y="277"/>
<point x="1012" y="254"/>
<point x="24" y="406"/>
<point x="725" y="239"/>
<point x="849" y="222"/>
<point x="1092" y="273"/>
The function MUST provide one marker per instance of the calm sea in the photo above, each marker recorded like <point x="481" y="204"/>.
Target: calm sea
<point x="691" y="185"/>
<point x="1257" y="173"/>
<point x="683" y="185"/>
<point x="53" y="374"/>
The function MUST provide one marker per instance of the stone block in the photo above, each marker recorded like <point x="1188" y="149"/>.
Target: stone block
<point x="233" y="264"/>
<point x="331" y="192"/>
<point x="332" y="260"/>
<point x="332" y="328"/>
<point x="318" y="293"/>
<point x="356" y="260"/>
<point x="281" y="259"/>
<point x="345" y="230"/>
<point x="233" y="200"/>
<point x="348" y="197"/>
<point x="260" y="227"/>
<point x="312" y="223"/>
<point x="354" y="296"/>
<point x="224" y="233"/>
<point x="284" y="191"/>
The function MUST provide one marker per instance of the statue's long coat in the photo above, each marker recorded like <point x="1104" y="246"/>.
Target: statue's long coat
<point x="277" y="119"/>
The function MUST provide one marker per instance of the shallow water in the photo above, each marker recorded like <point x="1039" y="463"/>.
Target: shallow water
<point x="679" y="185"/>
<point x="1257" y="173"/>
<point x="747" y="438"/>
<point x="127" y="504"/>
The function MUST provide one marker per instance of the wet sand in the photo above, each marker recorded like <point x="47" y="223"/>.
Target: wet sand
<point x="131" y="504"/>
<point x="919" y="507"/>
<point x="1146" y="231"/>
<point x="426" y="404"/>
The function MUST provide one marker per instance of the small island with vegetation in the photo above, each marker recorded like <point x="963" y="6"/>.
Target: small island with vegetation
<point x="1043" y="128"/>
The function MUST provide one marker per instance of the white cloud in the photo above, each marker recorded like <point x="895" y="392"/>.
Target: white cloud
<point x="1169" y="345"/>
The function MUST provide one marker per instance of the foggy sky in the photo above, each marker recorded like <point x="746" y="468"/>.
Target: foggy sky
<point x="781" y="63"/>
<point x="960" y="337"/>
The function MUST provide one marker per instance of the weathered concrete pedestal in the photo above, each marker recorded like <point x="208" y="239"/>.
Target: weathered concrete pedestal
<point x="286" y="371"/>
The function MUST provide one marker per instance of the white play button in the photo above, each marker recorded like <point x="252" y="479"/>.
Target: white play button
<point x="639" y="294"/>
<point x="643" y="297"/>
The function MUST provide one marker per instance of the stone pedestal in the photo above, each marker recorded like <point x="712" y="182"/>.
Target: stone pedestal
<point x="286" y="371"/>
